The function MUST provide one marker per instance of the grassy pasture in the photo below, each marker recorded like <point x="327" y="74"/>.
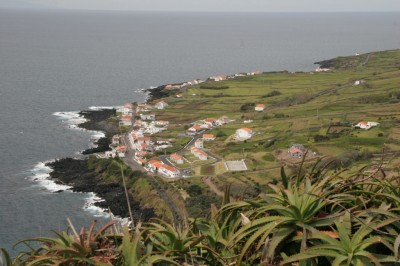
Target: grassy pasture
<point x="306" y="105"/>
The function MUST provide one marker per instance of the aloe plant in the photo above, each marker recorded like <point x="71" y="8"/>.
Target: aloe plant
<point x="351" y="248"/>
<point x="137" y="253"/>
<point x="301" y="205"/>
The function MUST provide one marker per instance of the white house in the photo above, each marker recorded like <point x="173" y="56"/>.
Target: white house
<point x="160" y="105"/>
<point x="154" y="165"/>
<point x="148" y="117"/>
<point x="199" y="153"/>
<point x="358" y="82"/>
<point x="259" y="107"/>
<point x="124" y="110"/>
<point x="176" y="158"/>
<point x="222" y="120"/>
<point x="208" y="137"/>
<point x="218" y="78"/>
<point x="121" y="150"/>
<point x="161" y="123"/>
<point x="194" y="130"/>
<point x="244" y="133"/>
<point x="297" y="150"/>
<point x="110" y="154"/>
<point x="211" y="122"/>
<point x="115" y="139"/>
<point x="366" y="125"/>
<point x="169" y="171"/>
<point x="152" y="129"/>
<point x="126" y="120"/>
<point x="198" y="143"/>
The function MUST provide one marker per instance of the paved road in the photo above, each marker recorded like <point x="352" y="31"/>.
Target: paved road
<point x="136" y="166"/>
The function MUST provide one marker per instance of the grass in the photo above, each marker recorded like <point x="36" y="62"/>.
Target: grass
<point x="306" y="105"/>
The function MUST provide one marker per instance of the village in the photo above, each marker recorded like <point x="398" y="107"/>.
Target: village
<point x="140" y="144"/>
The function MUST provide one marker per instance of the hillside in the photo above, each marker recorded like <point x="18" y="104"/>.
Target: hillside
<point x="315" y="109"/>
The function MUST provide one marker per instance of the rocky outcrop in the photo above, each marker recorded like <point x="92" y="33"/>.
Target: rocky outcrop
<point x="75" y="173"/>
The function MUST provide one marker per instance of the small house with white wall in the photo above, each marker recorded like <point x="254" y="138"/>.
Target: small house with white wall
<point x="115" y="139"/>
<point x="176" y="158"/>
<point x="244" y="133"/>
<point x="201" y="155"/>
<point x="110" y="154"/>
<point x="160" y="105"/>
<point x="154" y="165"/>
<point x="194" y="130"/>
<point x="150" y="117"/>
<point x="259" y="107"/>
<point x="169" y="171"/>
<point x="126" y="120"/>
<point x="212" y="122"/>
<point x="366" y="125"/>
<point x="121" y="151"/>
<point x="297" y="150"/>
<point x="208" y="137"/>
<point x="198" y="143"/>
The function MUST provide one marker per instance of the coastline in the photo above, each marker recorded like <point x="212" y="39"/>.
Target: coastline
<point x="73" y="173"/>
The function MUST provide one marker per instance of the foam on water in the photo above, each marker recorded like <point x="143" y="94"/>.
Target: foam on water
<point x="73" y="119"/>
<point x="91" y="199"/>
<point x="98" y="108"/>
<point x="41" y="173"/>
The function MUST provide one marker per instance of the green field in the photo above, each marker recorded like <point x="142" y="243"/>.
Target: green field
<point x="299" y="106"/>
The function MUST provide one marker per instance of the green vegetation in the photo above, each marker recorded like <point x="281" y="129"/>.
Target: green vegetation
<point x="316" y="109"/>
<point x="311" y="218"/>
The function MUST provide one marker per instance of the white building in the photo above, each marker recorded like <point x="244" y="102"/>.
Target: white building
<point x="199" y="153"/>
<point x="366" y="125"/>
<point x="160" y="105"/>
<point x="169" y="171"/>
<point x="208" y="137"/>
<point x="176" y="158"/>
<point x="244" y="133"/>
<point x="259" y="107"/>
<point x="126" y="120"/>
<point x="148" y="117"/>
<point x="198" y="143"/>
<point x="110" y="154"/>
<point x="121" y="151"/>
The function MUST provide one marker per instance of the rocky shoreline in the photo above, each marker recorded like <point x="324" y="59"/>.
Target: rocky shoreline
<point x="99" y="121"/>
<point x="75" y="172"/>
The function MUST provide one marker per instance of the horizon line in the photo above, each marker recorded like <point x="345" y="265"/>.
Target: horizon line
<point x="188" y="11"/>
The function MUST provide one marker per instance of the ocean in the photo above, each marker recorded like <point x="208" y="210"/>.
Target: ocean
<point x="55" y="63"/>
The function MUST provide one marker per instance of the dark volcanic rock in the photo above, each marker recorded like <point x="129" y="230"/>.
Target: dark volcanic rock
<point x="100" y="121"/>
<point x="75" y="173"/>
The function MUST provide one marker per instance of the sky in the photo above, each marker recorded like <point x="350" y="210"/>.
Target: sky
<point x="212" y="5"/>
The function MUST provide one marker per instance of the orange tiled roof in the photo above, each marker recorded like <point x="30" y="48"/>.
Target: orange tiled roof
<point x="247" y="129"/>
<point x="169" y="168"/>
<point x="175" y="157"/>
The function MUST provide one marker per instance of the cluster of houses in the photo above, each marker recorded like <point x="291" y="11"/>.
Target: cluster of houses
<point x="183" y="84"/>
<point x="207" y="123"/>
<point x="116" y="148"/>
<point x="221" y="77"/>
<point x="126" y="113"/>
